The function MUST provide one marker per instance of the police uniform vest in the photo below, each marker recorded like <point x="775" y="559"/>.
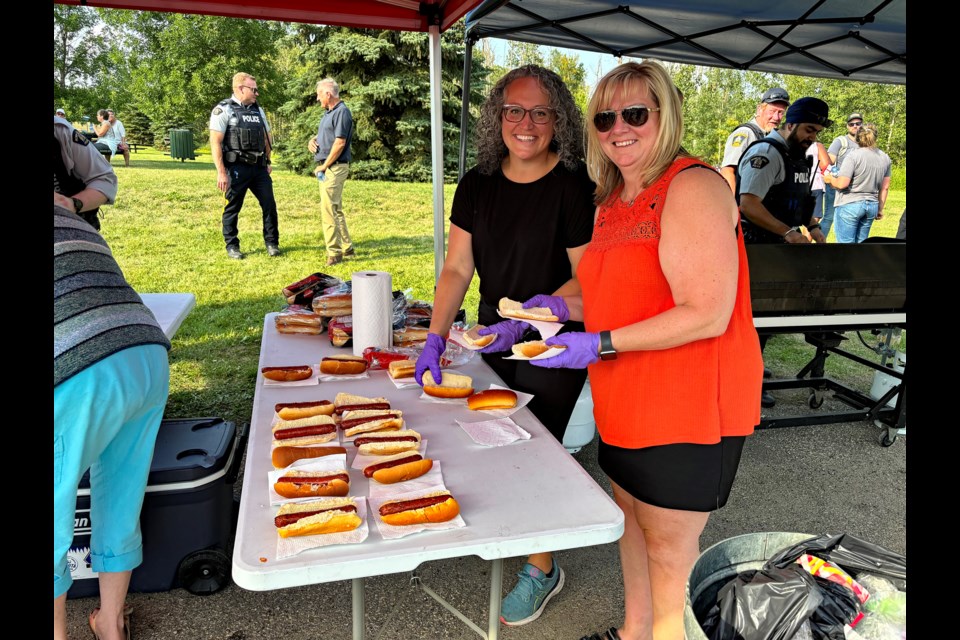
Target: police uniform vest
<point x="68" y="184"/>
<point x="757" y="131"/>
<point x="789" y="201"/>
<point x="245" y="138"/>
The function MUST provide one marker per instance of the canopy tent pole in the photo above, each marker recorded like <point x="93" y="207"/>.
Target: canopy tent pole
<point x="465" y="106"/>
<point x="436" y="146"/>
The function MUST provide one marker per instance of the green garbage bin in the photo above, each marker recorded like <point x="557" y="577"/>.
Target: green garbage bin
<point x="181" y="144"/>
<point x="721" y="563"/>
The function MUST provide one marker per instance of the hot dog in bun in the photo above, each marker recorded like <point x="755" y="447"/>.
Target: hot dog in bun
<point x="363" y="421"/>
<point x="343" y="365"/>
<point x="349" y="402"/>
<point x="398" y="468"/>
<point x="287" y="374"/>
<point x="452" y="385"/>
<point x="432" y="507"/>
<point x="387" y="443"/>
<point x="305" y="431"/>
<point x="492" y="399"/>
<point x="320" y="516"/>
<point x="313" y="484"/>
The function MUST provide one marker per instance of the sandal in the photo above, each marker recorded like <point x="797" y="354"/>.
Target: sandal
<point x="609" y="634"/>
<point x="127" y="612"/>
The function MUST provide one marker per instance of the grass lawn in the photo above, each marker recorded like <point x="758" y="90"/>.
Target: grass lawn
<point x="165" y="232"/>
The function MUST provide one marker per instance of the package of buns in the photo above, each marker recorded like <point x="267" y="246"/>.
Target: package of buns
<point x="334" y="304"/>
<point x="340" y="331"/>
<point x="410" y="335"/>
<point x="304" y="291"/>
<point x="298" y="319"/>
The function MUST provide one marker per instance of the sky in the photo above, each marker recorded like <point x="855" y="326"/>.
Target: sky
<point x="595" y="64"/>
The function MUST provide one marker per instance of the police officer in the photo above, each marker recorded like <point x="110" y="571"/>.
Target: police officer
<point x="82" y="179"/>
<point x="240" y="145"/>
<point x="774" y="178"/>
<point x="773" y="185"/>
<point x="769" y="113"/>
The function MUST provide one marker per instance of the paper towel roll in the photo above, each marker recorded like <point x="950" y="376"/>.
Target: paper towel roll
<point x="372" y="310"/>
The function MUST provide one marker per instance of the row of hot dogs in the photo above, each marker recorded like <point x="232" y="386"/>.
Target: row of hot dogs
<point x="301" y="432"/>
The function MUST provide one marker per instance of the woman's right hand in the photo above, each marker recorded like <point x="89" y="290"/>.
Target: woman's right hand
<point x="509" y="333"/>
<point x="430" y="359"/>
<point x="556" y="304"/>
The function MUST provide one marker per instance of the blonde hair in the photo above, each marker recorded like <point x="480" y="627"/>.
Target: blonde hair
<point x="629" y="78"/>
<point x="241" y="77"/>
<point x="867" y="135"/>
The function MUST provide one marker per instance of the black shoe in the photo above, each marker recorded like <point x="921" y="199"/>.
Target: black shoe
<point x="767" y="373"/>
<point x="234" y="253"/>
<point x="349" y="252"/>
<point x="767" y="400"/>
<point x="273" y="250"/>
<point x="332" y="260"/>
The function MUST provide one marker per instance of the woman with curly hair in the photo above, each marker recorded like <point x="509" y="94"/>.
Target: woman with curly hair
<point x="521" y="219"/>
<point x="666" y="304"/>
<point x="862" y="188"/>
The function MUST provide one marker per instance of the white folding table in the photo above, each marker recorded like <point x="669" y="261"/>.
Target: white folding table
<point x="530" y="496"/>
<point x="169" y="309"/>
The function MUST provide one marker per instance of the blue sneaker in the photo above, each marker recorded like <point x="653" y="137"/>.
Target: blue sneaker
<point x="530" y="597"/>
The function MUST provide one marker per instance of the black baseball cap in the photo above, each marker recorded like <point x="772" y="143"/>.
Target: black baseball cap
<point x="809" y="110"/>
<point x="776" y="94"/>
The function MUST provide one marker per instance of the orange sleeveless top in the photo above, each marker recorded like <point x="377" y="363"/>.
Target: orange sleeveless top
<point x="694" y="393"/>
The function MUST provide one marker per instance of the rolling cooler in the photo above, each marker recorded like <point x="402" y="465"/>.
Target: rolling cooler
<point x="188" y="519"/>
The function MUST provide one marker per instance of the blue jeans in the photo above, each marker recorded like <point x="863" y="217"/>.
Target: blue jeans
<point x="854" y="220"/>
<point x="829" y="194"/>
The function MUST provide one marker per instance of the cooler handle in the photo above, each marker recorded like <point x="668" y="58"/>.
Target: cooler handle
<point x="240" y="445"/>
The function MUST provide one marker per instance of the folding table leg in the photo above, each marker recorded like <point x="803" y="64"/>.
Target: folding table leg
<point x="358" y="608"/>
<point x="496" y="586"/>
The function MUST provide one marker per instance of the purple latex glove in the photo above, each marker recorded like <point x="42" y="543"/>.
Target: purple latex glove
<point x="555" y="303"/>
<point x="508" y="333"/>
<point x="430" y="359"/>
<point x="581" y="350"/>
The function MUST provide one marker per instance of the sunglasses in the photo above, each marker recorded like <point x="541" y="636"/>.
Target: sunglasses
<point x="633" y="116"/>
<point x="254" y="89"/>
<point x="516" y="113"/>
<point x="854" y="124"/>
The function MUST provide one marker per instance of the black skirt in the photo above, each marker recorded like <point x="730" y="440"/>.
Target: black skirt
<point x="689" y="477"/>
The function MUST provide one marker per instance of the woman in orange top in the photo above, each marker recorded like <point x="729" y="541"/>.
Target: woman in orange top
<point x="673" y="357"/>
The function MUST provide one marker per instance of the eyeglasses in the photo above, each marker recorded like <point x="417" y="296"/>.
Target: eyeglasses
<point x="516" y="113"/>
<point x="254" y="89"/>
<point x="854" y="124"/>
<point x="635" y="116"/>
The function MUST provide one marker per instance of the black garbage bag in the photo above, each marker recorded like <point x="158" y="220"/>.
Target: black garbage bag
<point x="766" y="604"/>
<point x="851" y="554"/>
<point x="774" y="603"/>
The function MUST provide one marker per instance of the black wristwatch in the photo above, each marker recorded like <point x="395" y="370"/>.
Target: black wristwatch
<point x="77" y="205"/>
<point x="607" y="352"/>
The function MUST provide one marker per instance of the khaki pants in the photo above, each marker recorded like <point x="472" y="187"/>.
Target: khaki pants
<point x="335" y="233"/>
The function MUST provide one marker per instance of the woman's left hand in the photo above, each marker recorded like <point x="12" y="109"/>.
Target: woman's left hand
<point x="582" y="349"/>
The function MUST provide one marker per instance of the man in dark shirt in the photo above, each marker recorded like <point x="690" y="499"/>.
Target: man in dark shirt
<point x="331" y="149"/>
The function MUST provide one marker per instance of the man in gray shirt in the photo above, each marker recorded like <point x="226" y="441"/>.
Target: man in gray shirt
<point x="769" y="114"/>
<point x="837" y="151"/>
<point x="331" y="149"/>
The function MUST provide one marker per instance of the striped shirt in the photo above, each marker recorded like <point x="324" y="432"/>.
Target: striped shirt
<point x="95" y="312"/>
